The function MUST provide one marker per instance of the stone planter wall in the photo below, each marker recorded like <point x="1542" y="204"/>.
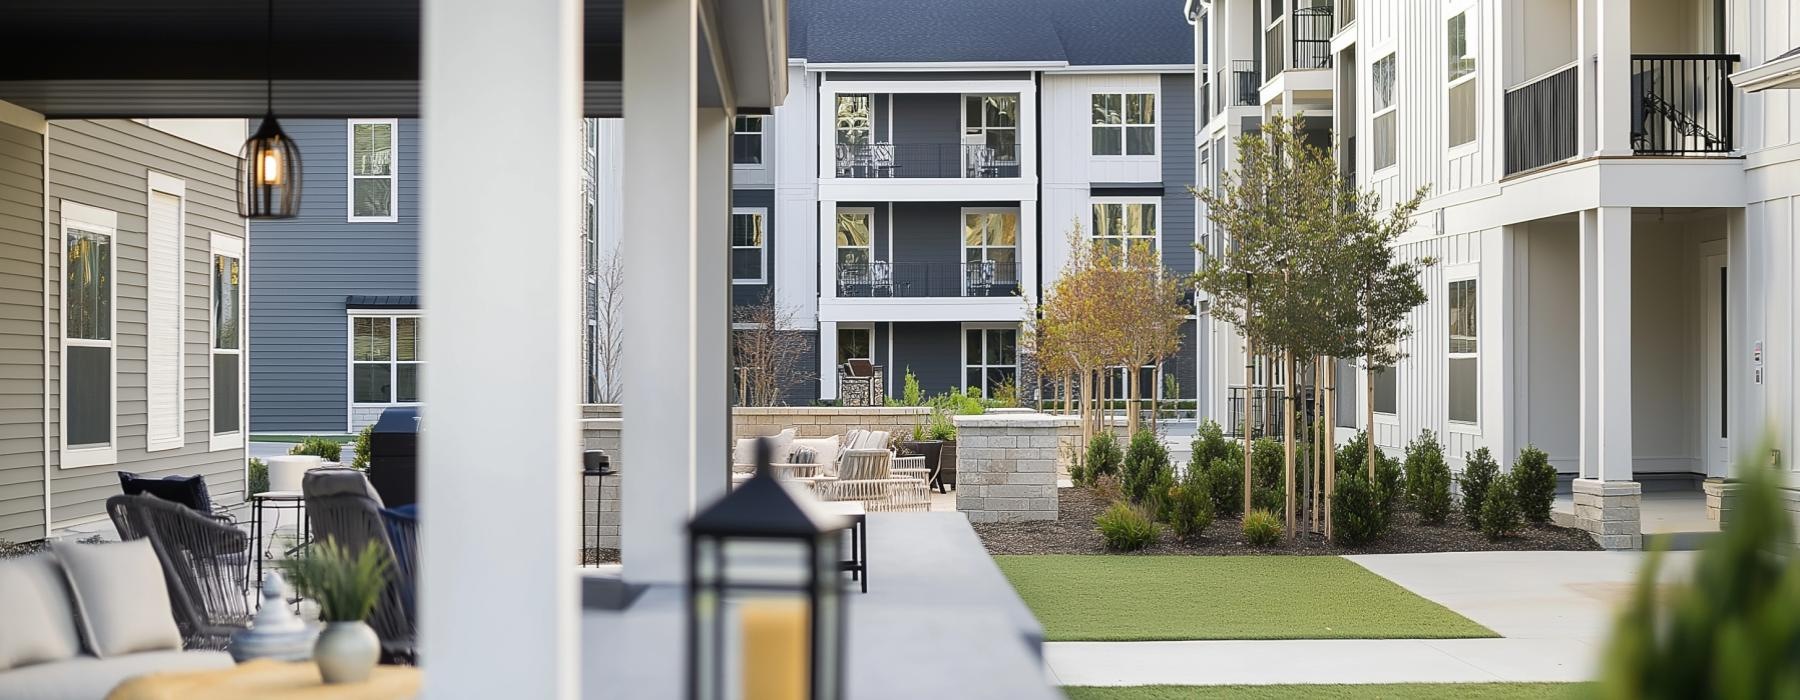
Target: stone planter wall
<point x="1008" y="465"/>
<point x="823" y="421"/>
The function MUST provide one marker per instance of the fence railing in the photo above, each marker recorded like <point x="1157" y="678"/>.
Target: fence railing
<point x="1274" y="43"/>
<point x="1541" y="121"/>
<point x="910" y="160"/>
<point x="1312" y="31"/>
<point x="1244" y="83"/>
<point x="1267" y="406"/>
<point x="1681" y="103"/>
<point x="927" y="279"/>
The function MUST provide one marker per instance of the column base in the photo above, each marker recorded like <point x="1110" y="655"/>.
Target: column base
<point x="1608" y="510"/>
<point x="1719" y="498"/>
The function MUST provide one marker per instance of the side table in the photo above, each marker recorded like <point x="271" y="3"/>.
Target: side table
<point x="276" y="501"/>
<point x="858" y="563"/>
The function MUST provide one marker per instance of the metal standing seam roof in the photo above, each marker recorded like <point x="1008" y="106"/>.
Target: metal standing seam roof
<point x="1076" y="32"/>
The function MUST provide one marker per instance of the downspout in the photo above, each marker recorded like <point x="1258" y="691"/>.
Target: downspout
<point x="1037" y="78"/>
<point x="44" y="361"/>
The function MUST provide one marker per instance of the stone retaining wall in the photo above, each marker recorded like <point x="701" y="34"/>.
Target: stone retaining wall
<point x="1007" y="465"/>
<point x="823" y="421"/>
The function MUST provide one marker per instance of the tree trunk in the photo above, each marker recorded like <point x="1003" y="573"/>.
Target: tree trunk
<point x="1249" y="391"/>
<point x="1369" y="427"/>
<point x="1132" y="390"/>
<point x="1331" y="442"/>
<point x="1289" y="427"/>
<point x="1316" y="436"/>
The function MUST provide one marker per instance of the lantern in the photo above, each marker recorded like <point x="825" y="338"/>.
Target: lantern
<point x="269" y="163"/>
<point x="765" y="595"/>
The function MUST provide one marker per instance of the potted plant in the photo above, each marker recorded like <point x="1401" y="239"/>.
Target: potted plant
<point x="924" y="444"/>
<point x="943" y="431"/>
<point x="346" y="587"/>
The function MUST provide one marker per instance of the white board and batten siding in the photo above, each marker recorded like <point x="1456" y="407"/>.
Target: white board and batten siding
<point x="1765" y="252"/>
<point x="164" y="396"/>
<point x="22" y="506"/>
<point x="1070" y="169"/>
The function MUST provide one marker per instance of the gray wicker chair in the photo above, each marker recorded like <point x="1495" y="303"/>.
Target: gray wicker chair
<point x="206" y="564"/>
<point x="344" y="507"/>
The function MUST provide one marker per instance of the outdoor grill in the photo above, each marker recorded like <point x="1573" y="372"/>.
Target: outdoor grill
<point x="394" y="456"/>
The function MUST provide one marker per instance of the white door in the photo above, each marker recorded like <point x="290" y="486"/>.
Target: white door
<point x="1715" y="443"/>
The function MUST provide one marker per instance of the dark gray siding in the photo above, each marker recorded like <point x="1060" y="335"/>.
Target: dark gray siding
<point x="1178" y="172"/>
<point x="927" y="135"/>
<point x="765" y="200"/>
<point x="22" y="333"/>
<point x="928" y="232"/>
<point x="932" y="351"/>
<point x="304" y="267"/>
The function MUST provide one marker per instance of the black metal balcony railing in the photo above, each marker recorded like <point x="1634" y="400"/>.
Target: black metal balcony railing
<point x="1273" y="44"/>
<point x="1312" y="31"/>
<point x="1268" y="410"/>
<point x="1541" y="121"/>
<point x="1681" y="103"/>
<point x="1244" y="83"/>
<point x="927" y="279"/>
<point x="911" y="160"/>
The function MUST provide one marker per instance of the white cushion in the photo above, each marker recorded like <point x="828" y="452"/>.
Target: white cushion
<point x="825" y="452"/>
<point x="874" y="440"/>
<point x="39" y="620"/>
<point x="744" y="452"/>
<point x="122" y="597"/>
<point x="88" y="678"/>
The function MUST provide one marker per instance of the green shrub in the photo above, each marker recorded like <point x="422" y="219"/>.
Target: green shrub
<point x="360" y="457"/>
<point x="1268" y="460"/>
<point x="1356" y="513"/>
<point x="1500" y="513"/>
<point x="322" y="448"/>
<point x="1428" y="479"/>
<point x="1225" y="483"/>
<point x="1535" y="482"/>
<point x="1103" y="456"/>
<point x="1734" y="632"/>
<point x="1210" y="443"/>
<point x="1146" y="464"/>
<point x="1190" y="506"/>
<point x="1077" y="474"/>
<point x="1262" y="528"/>
<point x="259" y="476"/>
<point x="1353" y="455"/>
<point x="910" y="393"/>
<point x="1126" y="528"/>
<point x="1389" y="485"/>
<point x="1479" y="473"/>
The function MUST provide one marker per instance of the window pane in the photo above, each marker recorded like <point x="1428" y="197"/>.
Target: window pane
<point x="1107" y="220"/>
<point x="746" y="149"/>
<point x="1346" y="394"/>
<point x="1464" y="394"/>
<point x="853" y="257"/>
<point x="1108" y="141"/>
<point x="1002" y="347"/>
<point x="1006" y="266"/>
<point x="852" y="230"/>
<point x="1005" y="231"/>
<point x="747" y="124"/>
<point x="1463" y="329"/>
<point x="372" y="196"/>
<point x="1002" y="110"/>
<point x="1462" y="60"/>
<point x="406" y="383"/>
<point x="972" y="377"/>
<point x="972" y="347"/>
<point x="1386" y="145"/>
<point x="746" y="230"/>
<point x="1005" y="143"/>
<point x="1140" y="109"/>
<point x="370" y="341"/>
<point x="746" y="264"/>
<point x="1140" y="140"/>
<point x="88" y="270"/>
<point x="87" y="377"/>
<point x="854" y="118"/>
<point x="995" y="377"/>
<point x="227" y="302"/>
<point x="406" y="339"/>
<point x="1382" y="78"/>
<point x="1140" y="220"/>
<point x="372" y="149"/>
<point x="1386" y="391"/>
<point x="1462" y="112"/>
<point x="974" y="228"/>
<point x="853" y="344"/>
<point x="225" y="407"/>
<point x="972" y="113"/>
<point x="372" y="383"/>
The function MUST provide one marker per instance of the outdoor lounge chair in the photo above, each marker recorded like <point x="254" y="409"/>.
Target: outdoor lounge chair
<point x="343" y="507"/>
<point x="865" y="475"/>
<point x="205" y="562"/>
<point x="189" y="491"/>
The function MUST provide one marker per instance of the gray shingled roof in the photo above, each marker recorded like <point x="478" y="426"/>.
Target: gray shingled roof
<point x="1079" y="32"/>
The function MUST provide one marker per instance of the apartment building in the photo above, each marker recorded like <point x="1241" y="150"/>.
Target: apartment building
<point x="1609" y="205"/>
<point x="915" y="193"/>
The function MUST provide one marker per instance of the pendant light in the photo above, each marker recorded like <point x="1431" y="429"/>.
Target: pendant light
<point x="269" y="164"/>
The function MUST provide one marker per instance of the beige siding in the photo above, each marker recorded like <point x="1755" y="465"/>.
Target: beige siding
<point x="105" y="164"/>
<point x="21" y="333"/>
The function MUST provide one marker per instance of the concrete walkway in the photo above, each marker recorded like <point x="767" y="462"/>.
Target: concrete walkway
<point x="1552" y="609"/>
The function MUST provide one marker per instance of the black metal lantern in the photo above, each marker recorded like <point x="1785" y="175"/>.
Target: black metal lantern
<point x="269" y="163"/>
<point x="765" y="595"/>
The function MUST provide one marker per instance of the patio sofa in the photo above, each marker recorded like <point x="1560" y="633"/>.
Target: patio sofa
<point x="83" y="618"/>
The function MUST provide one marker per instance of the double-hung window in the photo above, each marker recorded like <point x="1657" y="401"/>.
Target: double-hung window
<point x="227" y="342"/>
<point x="991" y="359"/>
<point x="1465" y="358"/>
<point x="384" y="359"/>
<point x="855" y="120"/>
<point x="89" y="408"/>
<point x="1387" y="391"/>
<point x="1460" y="48"/>
<point x="855" y="343"/>
<point x="1124" y="223"/>
<point x="374" y="169"/>
<point x="991" y="129"/>
<point x="747" y="141"/>
<point x="990" y="239"/>
<point x="855" y="247"/>
<point x="749" y="250"/>
<point x="1386" y="115"/>
<point x="1124" y="124"/>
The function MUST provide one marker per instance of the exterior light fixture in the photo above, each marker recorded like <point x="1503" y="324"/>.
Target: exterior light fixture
<point x="269" y="163"/>
<point x="765" y="595"/>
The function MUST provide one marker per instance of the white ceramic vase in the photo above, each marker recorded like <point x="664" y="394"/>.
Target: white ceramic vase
<point x="346" y="652"/>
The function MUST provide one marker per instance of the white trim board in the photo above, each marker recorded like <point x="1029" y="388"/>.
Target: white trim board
<point x="107" y="223"/>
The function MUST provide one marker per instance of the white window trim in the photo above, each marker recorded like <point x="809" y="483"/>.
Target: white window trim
<point x="1093" y="232"/>
<point x="1385" y="418"/>
<point x="1467" y="12"/>
<point x="350" y="362"/>
<point x="393" y="176"/>
<point x="1463" y="273"/>
<point x="963" y="350"/>
<point x="866" y="211"/>
<point x="165" y="184"/>
<point x="762" y="141"/>
<point x="1392" y="108"/>
<point x="1156" y="96"/>
<point x="869" y="328"/>
<point x="762" y="268"/>
<point x="229" y="246"/>
<point x="105" y="222"/>
<point x="962" y="235"/>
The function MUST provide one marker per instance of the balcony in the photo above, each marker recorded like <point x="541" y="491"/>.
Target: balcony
<point x="1242" y="85"/>
<point x="926" y="160"/>
<point x="1299" y="41"/>
<point x="882" y="278"/>
<point x="1681" y="104"/>
<point x="1541" y="120"/>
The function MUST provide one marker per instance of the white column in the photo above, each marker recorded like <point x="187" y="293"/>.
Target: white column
<point x="712" y="309"/>
<point x="1028" y="249"/>
<point x="500" y="286"/>
<point x="1606" y="344"/>
<point x="1586" y="19"/>
<point x="828" y="360"/>
<point x="663" y="289"/>
<point x="1612" y="48"/>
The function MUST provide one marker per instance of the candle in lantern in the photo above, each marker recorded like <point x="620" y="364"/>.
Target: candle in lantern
<point x="775" y="636"/>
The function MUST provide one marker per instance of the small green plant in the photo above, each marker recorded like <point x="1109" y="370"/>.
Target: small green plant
<point x="1162" y="497"/>
<point x="318" y="447"/>
<point x="1390" y="484"/>
<point x="1210" y="444"/>
<point x="259" y="475"/>
<point x="1262" y="528"/>
<point x="1500" y="513"/>
<point x="1479" y="473"/>
<point x="1535" y="481"/>
<point x="1428" y="479"/>
<point x="1354" y="454"/>
<point x="910" y="393"/>
<point x="1146" y="463"/>
<point x="1126" y="528"/>
<point x="1190" y="505"/>
<point x="1356" y="514"/>
<point x="1225" y="483"/>
<point x="1268" y="462"/>
<point x="360" y="458"/>
<point x="1006" y="394"/>
<point x="344" y="585"/>
<point x="1103" y="455"/>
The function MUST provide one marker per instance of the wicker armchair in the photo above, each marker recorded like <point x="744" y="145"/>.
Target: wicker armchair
<point x="206" y="564"/>
<point x="866" y="476"/>
<point x="343" y="507"/>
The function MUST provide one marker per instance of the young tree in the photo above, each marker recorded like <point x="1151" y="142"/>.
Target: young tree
<point x="609" y="311"/>
<point x="768" y="355"/>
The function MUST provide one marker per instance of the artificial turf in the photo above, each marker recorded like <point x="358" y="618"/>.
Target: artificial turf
<point x="1399" y="691"/>
<point x="1137" y="598"/>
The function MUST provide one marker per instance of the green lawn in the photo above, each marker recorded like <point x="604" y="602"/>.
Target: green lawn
<point x="1126" y="598"/>
<point x="1403" y="691"/>
<point x="339" y="439"/>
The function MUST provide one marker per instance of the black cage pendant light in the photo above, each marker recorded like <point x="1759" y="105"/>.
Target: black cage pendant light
<point x="269" y="164"/>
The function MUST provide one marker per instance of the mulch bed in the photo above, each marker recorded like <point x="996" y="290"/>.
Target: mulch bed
<point x="1073" y="532"/>
<point x="599" y="555"/>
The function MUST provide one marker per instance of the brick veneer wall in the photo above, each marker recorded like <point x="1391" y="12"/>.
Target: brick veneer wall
<point x="1008" y="464"/>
